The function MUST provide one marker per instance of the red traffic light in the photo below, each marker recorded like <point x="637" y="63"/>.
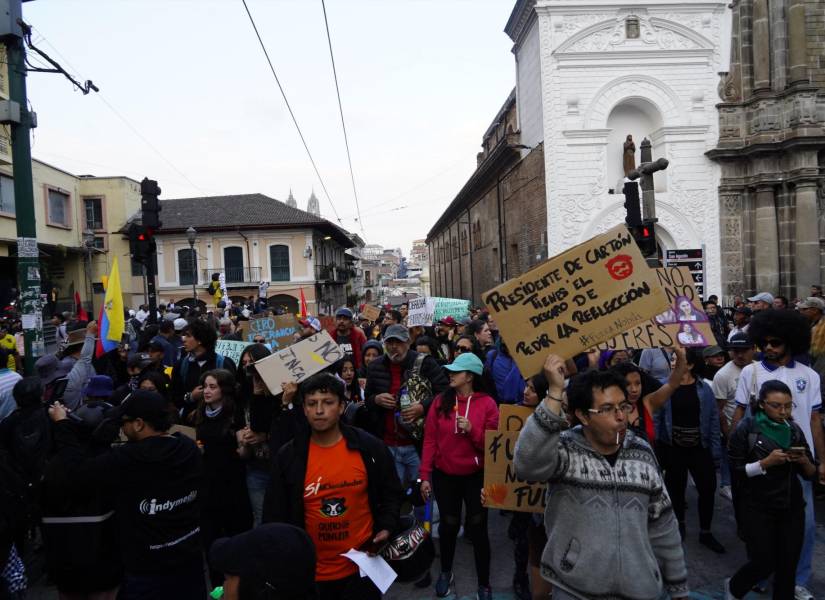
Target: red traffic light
<point x="141" y="237"/>
<point x="645" y="232"/>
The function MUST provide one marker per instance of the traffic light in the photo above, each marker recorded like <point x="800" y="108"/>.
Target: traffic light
<point x="141" y="242"/>
<point x="631" y="204"/>
<point x="149" y="203"/>
<point x="645" y="236"/>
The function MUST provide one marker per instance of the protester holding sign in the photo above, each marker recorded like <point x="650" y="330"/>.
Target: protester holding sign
<point x="609" y="479"/>
<point x="689" y="440"/>
<point x="453" y="467"/>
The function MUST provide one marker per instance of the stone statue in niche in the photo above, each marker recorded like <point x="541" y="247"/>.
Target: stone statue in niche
<point x="629" y="155"/>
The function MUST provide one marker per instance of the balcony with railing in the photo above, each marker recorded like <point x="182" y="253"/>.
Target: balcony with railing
<point x="235" y="275"/>
<point x="332" y="274"/>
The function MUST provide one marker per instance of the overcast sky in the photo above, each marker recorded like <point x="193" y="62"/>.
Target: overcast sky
<point x="420" y="83"/>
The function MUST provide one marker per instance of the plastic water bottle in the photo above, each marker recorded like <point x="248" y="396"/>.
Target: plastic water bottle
<point x="404" y="398"/>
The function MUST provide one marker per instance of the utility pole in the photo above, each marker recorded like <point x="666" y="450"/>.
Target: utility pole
<point x="15" y="112"/>
<point x="644" y="173"/>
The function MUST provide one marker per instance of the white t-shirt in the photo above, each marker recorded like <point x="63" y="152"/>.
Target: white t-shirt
<point x="803" y="381"/>
<point x="724" y="388"/>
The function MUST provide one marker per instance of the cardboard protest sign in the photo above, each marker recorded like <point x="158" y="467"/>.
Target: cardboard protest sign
<point x="420" y="312"/>
<point x="573" y="301"/>
<point x="372" y="313"/>
<point x="298" y="361"/>
<point x="512" y="417"/>
<point x="502" y="487"/>
<point x="668" y="329"/>
<point x="278" y="330"/>
<point x="231" y="349"/>
<point x="450" y="307"/>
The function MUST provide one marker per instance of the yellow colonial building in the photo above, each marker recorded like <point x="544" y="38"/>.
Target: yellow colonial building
<point x="252" y="238"/>
<point x="79" y="219"/>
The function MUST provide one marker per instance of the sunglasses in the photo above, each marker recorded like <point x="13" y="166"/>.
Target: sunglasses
<point x="774" y="343"/>
<point x="463" y="349"/>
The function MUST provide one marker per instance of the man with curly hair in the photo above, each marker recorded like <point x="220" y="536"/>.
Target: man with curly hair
<point x="781" y="335"/>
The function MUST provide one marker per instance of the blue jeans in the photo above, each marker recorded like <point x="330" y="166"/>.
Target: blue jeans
<point x="257" y="481"/>
<point x="724" y="465"/>
<point x="407" y="463"/>
<point x="803" y="568"/>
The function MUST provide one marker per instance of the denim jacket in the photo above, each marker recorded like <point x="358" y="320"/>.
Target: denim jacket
<point x="708" y="420"/>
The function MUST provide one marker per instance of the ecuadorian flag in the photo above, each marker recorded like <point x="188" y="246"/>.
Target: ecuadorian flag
<point x="112" y="320"/>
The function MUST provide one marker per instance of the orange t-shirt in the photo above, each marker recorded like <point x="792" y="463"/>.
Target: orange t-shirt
<point x="336" y="507"/>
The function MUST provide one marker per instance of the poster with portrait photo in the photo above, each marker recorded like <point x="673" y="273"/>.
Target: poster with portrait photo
<point x="686" y="312"/>
<point x="689" y="336"/>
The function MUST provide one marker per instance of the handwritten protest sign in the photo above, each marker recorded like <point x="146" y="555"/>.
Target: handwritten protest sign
<point x="580" y="298"/>
<point x="502" y="487"/>
<point x="450" y="307"/>
<point x="231" y="349"/>
<point x="278" y="330"/>
<point x="420" y="312"/>
<point x="372" y="313"/>
<point x="299" y="361"/>
<point x="667" y="330"/>
<point x="512" y="417"/>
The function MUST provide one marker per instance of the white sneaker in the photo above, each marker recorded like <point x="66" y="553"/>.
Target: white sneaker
<point x="801" y="593"/>
<point x="725" y="492"/>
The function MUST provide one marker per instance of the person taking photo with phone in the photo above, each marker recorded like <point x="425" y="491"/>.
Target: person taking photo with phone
<point x="767" y="452"/>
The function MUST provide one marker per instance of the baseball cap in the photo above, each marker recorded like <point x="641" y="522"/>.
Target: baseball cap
<point x="466" y="361"/>
<point x="397" y="332"/>
<point x="739" y="341"/>
<point x="448" y="321"/>
<point x="311" y="322"/>
<point x="465" y="321"/>
<point x="812" y="302"/>
<point x="99" y="386"/>
<point x="343" y="312"/>
<point x="180" y="324"/>
<point x="763" y="297"/>
<point x="138" y="359"/>
<point x="154" y="345"/>
<point x="143" y="404"/>
<point x="712" y="351"/>
<point x="280" y="556"/>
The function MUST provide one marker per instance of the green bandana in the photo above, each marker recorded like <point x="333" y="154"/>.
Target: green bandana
<point x="778" y="432"/>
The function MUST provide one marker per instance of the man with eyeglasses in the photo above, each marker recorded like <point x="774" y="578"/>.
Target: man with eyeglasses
<point x="601" y="472"/>
<point x="781" y="335"/>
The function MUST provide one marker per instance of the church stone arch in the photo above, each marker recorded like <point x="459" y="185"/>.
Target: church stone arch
<point x="628" y="87"/>
<point x="639" y="117"/>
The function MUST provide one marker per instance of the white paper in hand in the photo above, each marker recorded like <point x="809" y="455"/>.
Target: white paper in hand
<point x="374" y="567"/>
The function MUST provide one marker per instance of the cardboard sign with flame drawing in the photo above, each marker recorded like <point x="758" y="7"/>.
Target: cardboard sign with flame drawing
<point x="501" y="486"/>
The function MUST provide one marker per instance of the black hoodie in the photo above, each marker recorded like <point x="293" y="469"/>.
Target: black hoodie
<point x="155" y="483"/>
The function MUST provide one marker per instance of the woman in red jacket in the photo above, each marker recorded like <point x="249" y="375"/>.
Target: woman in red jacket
<point x="453" y="467"/>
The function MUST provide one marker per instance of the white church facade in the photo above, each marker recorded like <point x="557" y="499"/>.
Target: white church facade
<point x="590" y="73"/>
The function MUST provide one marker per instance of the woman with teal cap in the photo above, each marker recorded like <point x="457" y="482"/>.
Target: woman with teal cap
<point x="452" y="466"/>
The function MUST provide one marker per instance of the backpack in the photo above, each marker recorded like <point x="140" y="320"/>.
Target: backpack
<point x="31" y="442"/>
<point x="420" y="391"/>
<point x="12" y="502"/>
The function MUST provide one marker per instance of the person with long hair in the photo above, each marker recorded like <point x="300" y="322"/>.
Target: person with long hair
<point x="225" y="508"/>
<point x="255" y="412"/>
<point x="462" y="344"/>
<point x="647" y="395"/>
<point x="482" y="337"/>
<point x="453" y="466"/>
<point x="688" y="441"/>
<point x="769" y="453"/>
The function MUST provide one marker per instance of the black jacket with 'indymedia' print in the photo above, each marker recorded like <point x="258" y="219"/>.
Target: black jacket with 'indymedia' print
<point x="155" y="483"/>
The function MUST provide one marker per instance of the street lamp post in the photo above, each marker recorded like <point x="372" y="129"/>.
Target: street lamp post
<point x="88" y="246"/>
<point x="191" y="236"/>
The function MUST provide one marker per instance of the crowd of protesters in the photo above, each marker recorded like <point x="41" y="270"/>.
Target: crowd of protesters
<point x="163" y="469"/>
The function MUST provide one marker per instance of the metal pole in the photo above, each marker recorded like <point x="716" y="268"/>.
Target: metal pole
<point x="194" y="272"/>
<point x="28" y="263"/>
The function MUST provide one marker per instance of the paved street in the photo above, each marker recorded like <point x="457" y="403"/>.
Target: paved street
<point x="707" y="570"/>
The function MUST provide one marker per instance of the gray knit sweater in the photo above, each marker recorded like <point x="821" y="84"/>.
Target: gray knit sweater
<point x="611" y="532"/>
